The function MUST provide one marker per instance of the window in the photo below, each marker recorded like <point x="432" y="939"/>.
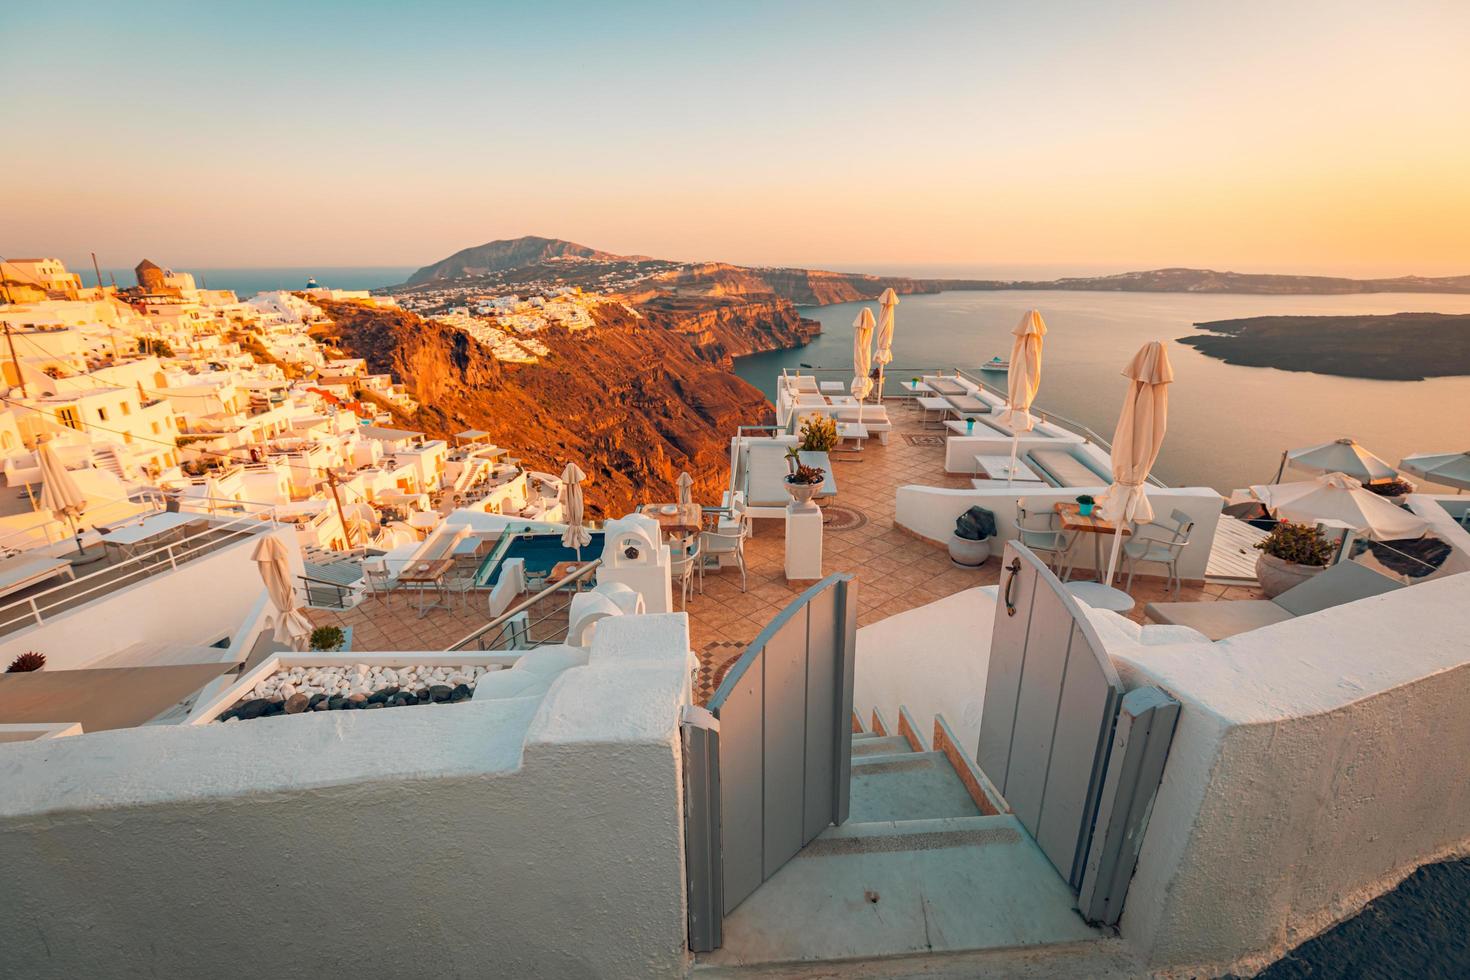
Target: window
<point x="126" y="409"/>
<point x="156" y="429"/>
<point x="101" y="414"/>
<point x="68" y="417"/>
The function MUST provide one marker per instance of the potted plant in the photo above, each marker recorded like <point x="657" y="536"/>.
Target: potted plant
<point x="969" y="545"/>
<point x="818" y="434"/>
<point x="328" y="639"/>
<point x="803" y="482"/>
<point x="1391" y="489"/>
<point x="1085" y="503"/>
<point x="26" y="662"/>
<point x="1290" y="554"/>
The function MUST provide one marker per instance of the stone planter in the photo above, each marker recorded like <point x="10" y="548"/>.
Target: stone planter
<point x="1276" y="575"/>
<point x="802" y="493"/>
<point x="967" y="551"/>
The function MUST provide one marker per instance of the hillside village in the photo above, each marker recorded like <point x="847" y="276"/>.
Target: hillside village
<point x="165" y="392"/>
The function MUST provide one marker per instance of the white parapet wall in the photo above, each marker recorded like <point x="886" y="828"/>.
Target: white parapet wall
<point x="531" y="836"/>
<point x="930" y="513"/>
<point x="1316" y="763"/>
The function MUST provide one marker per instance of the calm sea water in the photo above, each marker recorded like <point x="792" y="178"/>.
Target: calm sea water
<point x="246" y="282"/>
<point x="1227" y="424"/>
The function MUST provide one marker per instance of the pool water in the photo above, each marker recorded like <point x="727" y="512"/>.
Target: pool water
<point x="541" y="551"/>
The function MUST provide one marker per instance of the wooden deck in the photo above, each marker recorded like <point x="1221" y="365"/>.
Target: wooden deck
<point x="1232" y="553"/>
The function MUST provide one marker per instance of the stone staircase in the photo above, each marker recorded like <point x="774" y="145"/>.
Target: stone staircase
<point x="930" y="862"/>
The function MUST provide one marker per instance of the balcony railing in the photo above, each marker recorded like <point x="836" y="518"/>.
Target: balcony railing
<point x="516" y="627"/>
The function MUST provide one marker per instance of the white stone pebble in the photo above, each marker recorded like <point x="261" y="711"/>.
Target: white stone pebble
<point x="362" y="679"/>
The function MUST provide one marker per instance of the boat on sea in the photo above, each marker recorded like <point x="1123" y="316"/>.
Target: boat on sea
<point x="997" y="363"/>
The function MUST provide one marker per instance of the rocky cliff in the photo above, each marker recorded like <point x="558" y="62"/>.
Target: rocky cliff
<point x="504" y="254"/>
<point x="634" y="401"/>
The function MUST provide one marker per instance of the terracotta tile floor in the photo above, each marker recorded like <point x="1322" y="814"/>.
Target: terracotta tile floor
<point x="895" y="572"/>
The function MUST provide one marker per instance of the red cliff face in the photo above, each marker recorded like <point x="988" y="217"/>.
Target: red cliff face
<point x="633" y="401"/>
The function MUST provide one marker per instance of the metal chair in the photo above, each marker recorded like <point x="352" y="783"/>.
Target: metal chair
<point x="1160" y="543"/>
<point x="379" y="585"/>
<point x="1049" y="539"/>
<point x="727" y="539"/>
<point x="682" y="570"/>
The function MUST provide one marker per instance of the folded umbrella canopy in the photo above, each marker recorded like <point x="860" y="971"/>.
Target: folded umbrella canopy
<point x="1136" y="441"/>
<point x="1339" y="497"/>
<point x="884" y="355"/>
<point x="575" y="536"/>
<point x="1023" y="378"/>
<point x="59" y="492"/>
<point x="292" y="626"/>
<point x="1340" y="456"/>
<point x="862" y="357"/>
<point x="685" y="484"/>
<point x="1446" y="469"/>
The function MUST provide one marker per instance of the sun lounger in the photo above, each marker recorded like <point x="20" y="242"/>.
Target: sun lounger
<point x="1061" y="468"/>
<point x="946" y="386"/>
<point x="967" y="404"/>
<point x="24" y="570"/>
<point x="804" y="383"/>
<point x="1344" y="582"/>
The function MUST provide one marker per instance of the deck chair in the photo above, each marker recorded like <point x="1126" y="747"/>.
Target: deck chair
<point x="1347" y="581"/>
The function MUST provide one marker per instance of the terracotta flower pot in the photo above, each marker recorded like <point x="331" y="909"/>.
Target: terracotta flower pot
<point x="1277" y="575"/>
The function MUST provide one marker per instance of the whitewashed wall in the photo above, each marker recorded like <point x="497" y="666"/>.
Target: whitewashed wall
<point x="200" y="602"/>
<point x="930" y="512"/>
<point x="520" y="838"/>
<point x="1317" y="762"/>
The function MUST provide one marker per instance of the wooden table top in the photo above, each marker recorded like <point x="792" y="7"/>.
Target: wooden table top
<point x="1072" y="520"/>
<point x="562" y="569"/>
<point x="688" y="520"/>
<point x="436" y="570"/>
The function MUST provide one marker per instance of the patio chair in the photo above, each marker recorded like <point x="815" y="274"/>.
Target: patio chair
<point x="1159" y="543"/>
<point x="379" y="583"/>
<point x="460" y="583"/>
<point x="683" y="569"/>
<point x="728" y="540"/>
<point x="1043" y="534"/>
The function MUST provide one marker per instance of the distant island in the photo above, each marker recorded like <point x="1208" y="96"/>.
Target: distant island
<point x="1390" y="347"/>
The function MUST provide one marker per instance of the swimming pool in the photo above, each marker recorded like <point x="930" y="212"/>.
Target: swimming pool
<point x="540" y="549"/>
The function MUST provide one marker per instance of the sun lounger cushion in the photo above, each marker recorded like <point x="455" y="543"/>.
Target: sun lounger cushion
<point x="875" y="417"/>
<point x="765" y="475"/>
<point x="806" y="383"/>
<point x="1218" y="620"/>
<point x="946" y="386"/>
<point x="968" y="404"/>
<point x="1344" y="582"/>
<point x="1062" y="469"/>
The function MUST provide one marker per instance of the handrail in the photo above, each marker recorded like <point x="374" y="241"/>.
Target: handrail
<point x="526" y="604"/>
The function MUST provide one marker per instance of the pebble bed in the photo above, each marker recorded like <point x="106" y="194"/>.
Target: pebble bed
<point x="359" y="686"/>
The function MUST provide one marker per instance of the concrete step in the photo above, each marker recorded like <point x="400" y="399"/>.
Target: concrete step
<point x="902" y="887"/>
<point x="907" y="786"/>
<point x="880" y="745"/>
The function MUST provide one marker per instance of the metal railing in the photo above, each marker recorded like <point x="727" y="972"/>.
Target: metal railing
<point x="322" y="594"/>
<point x="495" y="632"/>
<point x="37" y="608"/>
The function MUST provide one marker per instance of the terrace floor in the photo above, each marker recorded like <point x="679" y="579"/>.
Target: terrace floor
<point x="894" y="570"/>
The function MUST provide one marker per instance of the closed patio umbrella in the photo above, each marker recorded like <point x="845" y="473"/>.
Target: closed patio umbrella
<point x="862" y="357"/>
<point x="1136" y="442"/>
<point x="1339" y="497"/>
<point x="1446" y="469"/>
<point x="59" y="492"/>
<point x="887" y="302"/>
<point x="211" y="493"/>
<point x="292" y="626"/>
<point x="685" y="483"/>
<point x="1340" y="456"/>
<point x="1023" y="378"/>
<point x="575" y="536"/>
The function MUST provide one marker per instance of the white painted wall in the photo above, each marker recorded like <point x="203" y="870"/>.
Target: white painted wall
<point x="931" y="660"/>
<point x="930" y="512"/>
<point x="1317" y="762"/>
<point x="200" y="602"/>
<point x="524" y="837"/>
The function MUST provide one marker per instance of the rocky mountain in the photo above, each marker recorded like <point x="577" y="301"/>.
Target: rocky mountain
<point x="498" y="256"/>
<point x="1210" y="281"/>
<point x="634" y="401"/>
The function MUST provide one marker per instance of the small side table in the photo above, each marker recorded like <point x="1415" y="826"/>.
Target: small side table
<point x="1100" y="596"/>
<point x="803" y="542"/>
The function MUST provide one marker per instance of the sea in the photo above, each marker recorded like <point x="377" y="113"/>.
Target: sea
<point x="246" y="281"/>
<point x="1228" y="424"/>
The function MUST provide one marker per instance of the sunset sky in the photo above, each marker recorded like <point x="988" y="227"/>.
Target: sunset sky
<point x="1313" y="137"/>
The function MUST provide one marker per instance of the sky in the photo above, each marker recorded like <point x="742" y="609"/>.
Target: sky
<point x="1010" y="137"/>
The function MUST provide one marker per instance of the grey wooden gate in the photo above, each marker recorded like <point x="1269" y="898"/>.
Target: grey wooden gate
<point x="767" y="768"/>
<point x="1080" y="776"/>
<point x="1051" y="698"/>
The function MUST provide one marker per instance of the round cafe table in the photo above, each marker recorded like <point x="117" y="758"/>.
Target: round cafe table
<point x="1100" y="596"/>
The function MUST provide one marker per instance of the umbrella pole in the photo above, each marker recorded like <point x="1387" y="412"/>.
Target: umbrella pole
<point x="1118" y="541"/>
<point x="1011" y="472"/>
